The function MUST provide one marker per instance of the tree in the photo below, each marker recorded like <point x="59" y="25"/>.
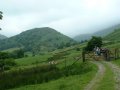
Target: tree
<point x="1" y="15"/>
<point x="17" y="54"/>
<point x="5" y="61"/>
<point x="95" y="41"/>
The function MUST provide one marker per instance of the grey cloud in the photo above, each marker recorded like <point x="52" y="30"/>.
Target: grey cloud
<point x="70" y="17"/>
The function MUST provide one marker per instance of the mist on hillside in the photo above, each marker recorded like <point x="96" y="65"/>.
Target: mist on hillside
<point x="70" y="17"/>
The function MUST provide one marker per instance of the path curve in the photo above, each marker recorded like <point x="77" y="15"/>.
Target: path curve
<point x="98" y="77"/>
<point x="116" y="71"/>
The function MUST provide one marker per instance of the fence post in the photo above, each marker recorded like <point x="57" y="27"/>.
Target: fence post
<point x="83" y="56"/>
<point x="108" y="55"/>
<point x="116" y="53"/>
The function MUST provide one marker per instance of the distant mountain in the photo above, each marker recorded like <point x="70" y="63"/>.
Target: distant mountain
<point x="101" y="33"/>
<point x="82" y="37"/>
<point x="114" y="36"/>
<point x="37" y="39"/>
<point x="2" y="37"/>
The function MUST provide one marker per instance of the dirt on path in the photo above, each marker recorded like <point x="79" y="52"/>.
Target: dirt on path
<point x="116" y="71"/>
<point x="98" y="77"/>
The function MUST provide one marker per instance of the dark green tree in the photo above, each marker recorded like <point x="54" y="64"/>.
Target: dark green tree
<point x="1" y="15"/>
<point x="5" y="61"/>
<point x="17" y="54"/>
<point x="95" y="41"/>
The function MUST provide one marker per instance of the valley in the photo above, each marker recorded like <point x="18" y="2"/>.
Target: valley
<point x="61" y="68"/>
<point x="59" y="45"/>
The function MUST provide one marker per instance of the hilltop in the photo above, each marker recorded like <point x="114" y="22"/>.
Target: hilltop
<point x="37" y="39"/>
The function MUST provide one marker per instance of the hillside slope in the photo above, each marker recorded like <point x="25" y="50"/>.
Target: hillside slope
<point x="2" y="37"/>
<point x="101" y="33"/>
<point x="82" y="37"/>
<point x="37" y="39"/>
<point x="114" y="36"/>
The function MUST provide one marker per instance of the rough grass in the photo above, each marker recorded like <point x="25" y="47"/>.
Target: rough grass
<point x="117" y="62"/>
<point x="32" y="60"/>
<point x="113" y="45"/>
<point x="74" y="82"/>
<point x="43" y="74"/>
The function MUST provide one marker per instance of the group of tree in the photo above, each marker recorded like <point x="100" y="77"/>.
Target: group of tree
<point x="17" y="54"/>
<point x="93" y="42"/>
<point x="7" y="60"/>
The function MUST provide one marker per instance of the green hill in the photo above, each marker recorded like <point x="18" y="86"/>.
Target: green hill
<point x="37" y="39"/>
<point x="101" y="33"/>
<point x="114" y="36"/>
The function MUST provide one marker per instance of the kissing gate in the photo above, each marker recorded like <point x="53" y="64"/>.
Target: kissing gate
<point x="105" y="54"/>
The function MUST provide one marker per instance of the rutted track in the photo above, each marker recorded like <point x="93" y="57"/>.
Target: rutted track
<point x="98" y="77"/>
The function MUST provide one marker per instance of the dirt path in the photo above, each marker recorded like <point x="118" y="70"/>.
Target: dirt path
<point x="98" y="77"/>
<point x="116" y="71"/>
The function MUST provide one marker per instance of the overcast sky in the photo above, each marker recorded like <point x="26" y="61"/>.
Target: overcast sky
<point x="71" y="17"/>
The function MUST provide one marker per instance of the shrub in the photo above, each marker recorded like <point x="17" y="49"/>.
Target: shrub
<point x="6" y="64"/>
<point x="17" y="54"/>
<point x="77" y="49"/>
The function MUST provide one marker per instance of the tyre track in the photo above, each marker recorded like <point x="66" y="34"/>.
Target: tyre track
<point x="98" y="77"/>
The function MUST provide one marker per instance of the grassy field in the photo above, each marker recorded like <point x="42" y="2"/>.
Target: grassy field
<point x="113" y="45"/>
<point x="30" y="61"/>
<point x="74" y="82"/>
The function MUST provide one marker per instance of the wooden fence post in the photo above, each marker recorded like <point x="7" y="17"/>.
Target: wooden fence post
<point x="116" y="53"/>
<point x="83" y="56"/>
<point x="108" y="55"/>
